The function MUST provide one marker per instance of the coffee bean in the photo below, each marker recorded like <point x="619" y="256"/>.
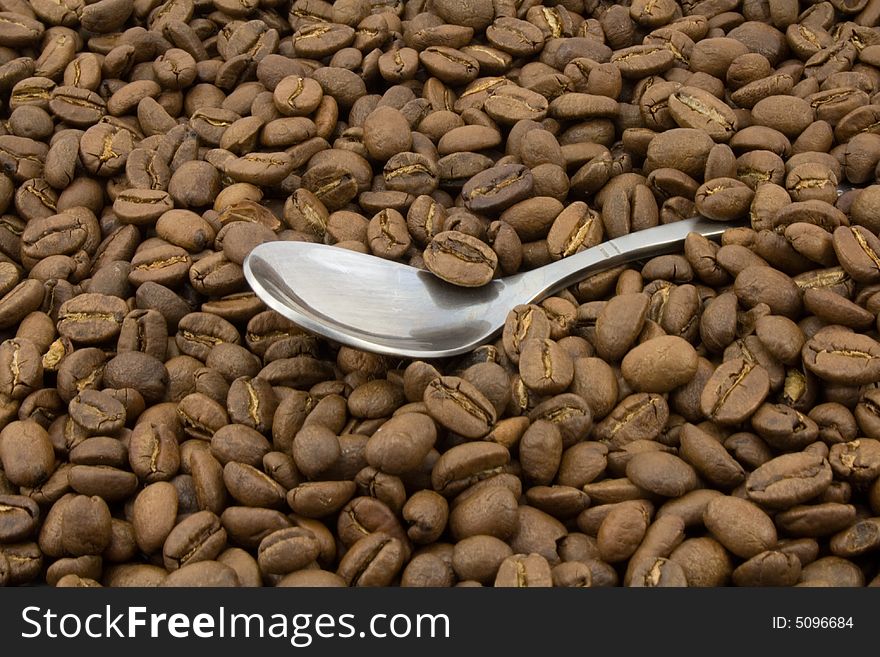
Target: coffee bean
<point x="153" y="515"/>
<point x="199" y="537"/>
<point x="658" y="572"/>
<point x="740" y="526"/>
<point x="19" y="518"/>
<point x="734" y="391"/>
<point x="26" y="453"/>
<point x="287" y="550"/>
<point x="660" y="365"/>
<point x="768" y="568"/>
<point x="545" y="367"/>
<point x="497" y="188"/>
<point x="318" y="499"/>
<point x="466" y="464"/>
<point x="373" y="561"/>
<point x="205" y="573"/>
<point x="789" y="479"/>
<point x="661" y="473"/>
<point x="704" y="562"/>
<point x="570" y="413"/>
<point x="401" y="444"/>
<point x="85" y="525"/>
<point x="524" y="571"/>
<point x="459" y="406"/>
<point x="839" y="356"/>
<point x="641" y="416"/>
<point x="709" y="457"/>
<point x="692" y="107"/>
<point x="858" y="539"/>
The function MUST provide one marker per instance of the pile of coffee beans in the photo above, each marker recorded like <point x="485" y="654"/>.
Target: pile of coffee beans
<point x="705" y="418"/>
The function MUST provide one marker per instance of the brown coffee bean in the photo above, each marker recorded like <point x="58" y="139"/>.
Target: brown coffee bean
<point x="19" y="518"/>
<point x="401" y="444"/>
<point x="660" y="365"/>
<point x="692" y="107"/>
<point x="685" y="149"/>
<point x="287" y="550"/>
<point x="641" y="416"/>
<point x="856" y="249"/>
<point x="734" y="391"/>
<point x="709" y="457"/>
<point x="741" y="526"/>
<point x="769" y="568"/>
<point x="840" y="356"/>
<point x="466" y="464"/>
<point x="497" y="188"/>
<point x="789" y="479"/>
<point x="490" y="510"/>
<point x="544" y="366"/>
<point x="154" y="515"/>
<point x="319" y="499"/>
<point x="199" y="537"/>
<point x="26" y="453"/>
<point x="97" y="412"/>
<point x="861" y="537"/>
<point x="661" y="473"/>
<point x="459" y="406"/>
<point x="856" y="461"/>
<point x="85" y="525"/>
<point x="704" y="561"/>
<point x="373" y="561"/>
<point x="621" y="531"/>
<point x="524" y="571"/>
<point x="816" y="519"/>
<point x="206" y="573"/>
<point x="619" y="324"/>
<point x="509" y="103"/>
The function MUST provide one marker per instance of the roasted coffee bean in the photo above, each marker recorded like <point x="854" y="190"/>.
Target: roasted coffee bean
<point x="741" y="526"/>
<point x="660" y="365"/>
<point x="734" y="391"/>
<point x="198" y="332"/>
<point x="287" y="550"/>
<point x="199" y="537"/>
<point x="459" y="406"/>
<point x="524" y="571"/>
<point x="401" y="444"/>
<point x="19" y="518"/>
<point x="709" y="457"/>
<point x="815" y="519"/>
<point x="85" y="525"/>
<point x="789" y="479"/>
<point x="153" y="452"/>
<point x="641" y="416"/>
<point x="373" y="561"/>
<point x="692" y="107"/>
<point x="26" y="453"/>
<point x="463" y="465"/>
<point x="619" y="324"/>
<point x="839" y="356"/>
<point x="545" y="367"/>
<point x="497" y="188"/>
<point x="460" y="259"/>
<point x="91" y="318"/>
<point x="661" y="473"/>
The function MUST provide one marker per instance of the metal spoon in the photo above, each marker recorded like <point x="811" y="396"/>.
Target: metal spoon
<point x="390" y="308"/>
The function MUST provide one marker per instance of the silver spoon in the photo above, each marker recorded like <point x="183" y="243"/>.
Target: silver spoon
<point x="386" y="307"/>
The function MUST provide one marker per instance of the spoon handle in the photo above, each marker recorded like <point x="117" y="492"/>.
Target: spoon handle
<point x="635" y="246"/>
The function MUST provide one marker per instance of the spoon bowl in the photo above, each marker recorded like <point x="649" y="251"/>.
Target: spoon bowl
<point x="390" y="308"/>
